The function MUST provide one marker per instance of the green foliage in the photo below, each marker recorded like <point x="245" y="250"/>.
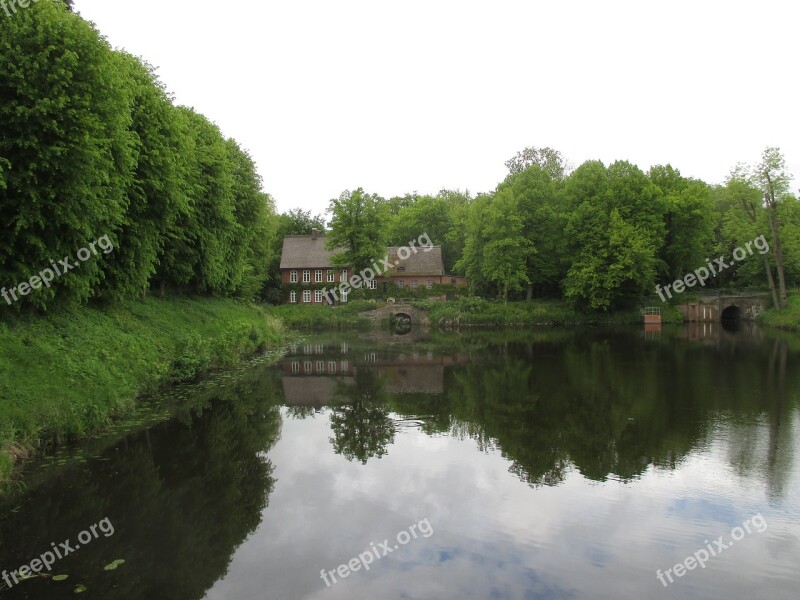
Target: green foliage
<point x="787" y="318"/>
<point x="357" y="226"/>
<point x="93" y="146"/>
<point x="64" y="375"/>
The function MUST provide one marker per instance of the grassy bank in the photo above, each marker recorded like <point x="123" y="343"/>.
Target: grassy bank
<point x="316" y="317"/>
<point x="66" y="375"/>
<point x="788" y="318"/>
<point x="476" y="311"/>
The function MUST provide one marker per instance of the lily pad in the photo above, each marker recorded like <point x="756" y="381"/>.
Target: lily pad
<point x="112" y="566"/>
<point x="79" y="589"/>
<point x="60" y="577"/>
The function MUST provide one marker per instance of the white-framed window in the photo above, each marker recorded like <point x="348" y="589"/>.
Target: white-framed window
<point x="308" y="367"/>
<point x="373" y="284"/>
<point x="306" y="296"/>
<point x="318" y="296"/>
<point x="320" y="348"/>
<point x="400" y="284"/>
<point x="345" y="348"/>
<point x="307" y="349"/>
<point x="295" y="367"/>
<point x="320" y="366"/>
<point x="331" y="276"/>
<point x="429" y="284"/>
<point x="344" y="294"/>
<point x="332" y="367"/>
<point x="345" y="366"/>
<point x="293" y="276"/>
<point x="293" y="296"/>
<point x="318" y="276"/>
<point x="414" y="284"/>
<point x="343" y="276"/>
<point x="306" y="276"/>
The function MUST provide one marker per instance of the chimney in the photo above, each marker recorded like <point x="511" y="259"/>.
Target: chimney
<point x="313" y="233"/>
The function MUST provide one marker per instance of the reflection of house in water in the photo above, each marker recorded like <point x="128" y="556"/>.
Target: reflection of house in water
<point x="312" y="371"/>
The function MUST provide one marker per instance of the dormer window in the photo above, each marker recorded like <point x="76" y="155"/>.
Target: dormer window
<point x="401" y="269"/>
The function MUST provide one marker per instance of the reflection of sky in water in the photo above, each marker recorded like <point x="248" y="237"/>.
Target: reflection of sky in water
<point x="496" y="537"/>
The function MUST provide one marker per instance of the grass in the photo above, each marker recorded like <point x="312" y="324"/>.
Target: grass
<point x="65" y="376"/>
<point x="316" y="317"/>
<point x="788" y="318"/>
<point x="476" y="311"/>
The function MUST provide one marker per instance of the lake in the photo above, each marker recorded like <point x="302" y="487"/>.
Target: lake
<point x="549" y="463"/>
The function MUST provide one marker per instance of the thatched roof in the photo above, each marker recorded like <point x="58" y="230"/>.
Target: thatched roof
<point x="309" y="252"/>
<point x="306" y="252"/>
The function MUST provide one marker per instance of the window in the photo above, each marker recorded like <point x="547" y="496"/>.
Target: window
<point x="343" y="276"/>
<point x="401" y="269"/>
<point x="332" y="367"/>
<point x="414" y="284"/>
<point x="295" y="367"/>
<point x="318" y="276"/>
<point x="293" y="296"/>
<point x="293" y="276"/>
<point x="373" y="284"/>
<point x="344" y="348"/>
<point x="306" y="296"/>
<point x="320" y="366"/>
<point x="331" y="276"/>
<point x="320" y="349"/>
<point x="400" y="284"/>
<point x="429" y="284"/>
<point x="307" y="367"/>
<point x="345" y="366"/>
<point x="318" y="296"/>
<point x="345" y="294"/>
<point x="306" y="276"/>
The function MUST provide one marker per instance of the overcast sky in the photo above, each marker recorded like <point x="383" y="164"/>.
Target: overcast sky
<point x="419" y="96"/>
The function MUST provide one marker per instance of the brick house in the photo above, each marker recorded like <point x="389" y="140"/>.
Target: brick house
<point x="306" y="269"/>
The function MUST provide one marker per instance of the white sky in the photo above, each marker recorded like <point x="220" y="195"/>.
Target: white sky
<point x="418" y="96"/>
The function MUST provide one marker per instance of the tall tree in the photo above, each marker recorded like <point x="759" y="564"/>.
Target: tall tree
<point x="547" y="158"/>
<point x="357" y="226"/>
<point x="772" y="178"/>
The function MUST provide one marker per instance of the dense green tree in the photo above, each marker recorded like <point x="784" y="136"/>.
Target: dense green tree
<point x="549" y="159"/>
<point x="542" y="212"/>
<point x="357" y="226"/>
<point x="66" y="150"/>
<point x="615" y="233"/>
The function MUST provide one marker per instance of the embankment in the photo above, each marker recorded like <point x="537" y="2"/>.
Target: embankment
<point x="65" y="376"/>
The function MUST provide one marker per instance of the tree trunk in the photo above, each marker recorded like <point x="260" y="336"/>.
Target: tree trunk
<point x="771" y="281"/>
<point x="774" y="225"/>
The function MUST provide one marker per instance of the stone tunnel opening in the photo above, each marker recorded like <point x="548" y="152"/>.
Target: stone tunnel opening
<point x="401" y="323"/>
<point x="731" y="318"/>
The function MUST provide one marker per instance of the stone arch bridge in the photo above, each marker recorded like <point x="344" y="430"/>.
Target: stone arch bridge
<point x="726" y="307"/>
<point x="401" y="311"/>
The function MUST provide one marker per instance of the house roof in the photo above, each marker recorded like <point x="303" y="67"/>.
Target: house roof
<point x="309" y="252"/>
<point x="426" y="261"/>
<point x="306" y="252"/>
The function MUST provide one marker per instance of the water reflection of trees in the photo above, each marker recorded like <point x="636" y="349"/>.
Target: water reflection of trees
<point x="360" y="421"/>
<point x="181" y="496"/>
<point x="614" y="404"/>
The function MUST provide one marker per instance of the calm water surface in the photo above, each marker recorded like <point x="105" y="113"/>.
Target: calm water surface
<point x="564" y="463"/>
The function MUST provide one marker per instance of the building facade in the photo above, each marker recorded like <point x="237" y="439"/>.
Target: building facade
<point x="307" y="269"/>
